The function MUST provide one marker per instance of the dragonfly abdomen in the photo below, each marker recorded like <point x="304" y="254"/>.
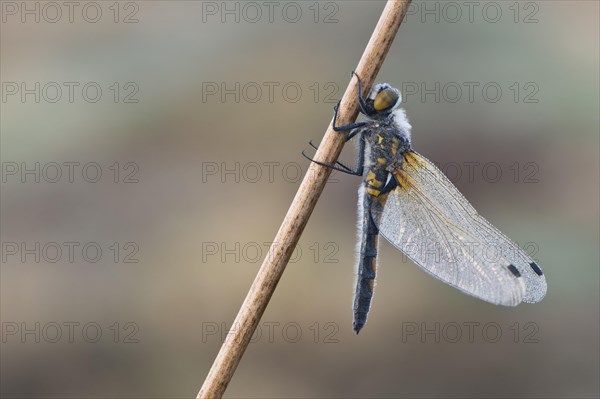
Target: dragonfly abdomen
<point x="367" y="264"/>
<point x="372" y="187"/>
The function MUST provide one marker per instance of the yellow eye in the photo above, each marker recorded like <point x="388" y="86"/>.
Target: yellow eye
<point x="385" y="99"/>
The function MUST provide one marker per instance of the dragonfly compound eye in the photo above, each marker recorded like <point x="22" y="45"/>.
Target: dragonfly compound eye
<point x="385" y="99"/>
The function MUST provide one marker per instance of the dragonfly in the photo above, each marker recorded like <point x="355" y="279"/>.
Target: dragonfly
<point x="408" y="201"/>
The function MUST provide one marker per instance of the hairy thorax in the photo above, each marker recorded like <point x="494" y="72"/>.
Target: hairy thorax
<point x="386" y="141"/>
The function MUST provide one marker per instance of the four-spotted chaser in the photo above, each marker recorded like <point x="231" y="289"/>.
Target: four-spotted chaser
<point x="413" y="205"/>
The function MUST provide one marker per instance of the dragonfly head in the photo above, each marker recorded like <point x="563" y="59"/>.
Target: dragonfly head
<point x="382" y="100"/>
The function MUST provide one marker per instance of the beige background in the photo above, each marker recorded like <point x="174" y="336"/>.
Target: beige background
<point x="179" y="213"/>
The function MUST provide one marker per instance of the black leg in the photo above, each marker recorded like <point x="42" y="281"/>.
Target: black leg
<point x="337" y="162"/>
<point x="355" y="127"/>
<point x="363" y="109"/>
<point x="360" y="162"/>
<point x="343" y="168"/>
<point x="345" y="127"/>
<point x="354" y="133"/>
<point x="349" y="171"/>
<point x="361" y="102"/>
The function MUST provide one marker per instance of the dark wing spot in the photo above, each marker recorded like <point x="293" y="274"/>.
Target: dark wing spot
<point x="514" y="270"/>
<point x="536" y="269"/>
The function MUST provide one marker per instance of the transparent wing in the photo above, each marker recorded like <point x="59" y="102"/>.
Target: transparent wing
<point x="428" y="219"/>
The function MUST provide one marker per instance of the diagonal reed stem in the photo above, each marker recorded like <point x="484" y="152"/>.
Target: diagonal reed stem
<point x="301" y="208"/>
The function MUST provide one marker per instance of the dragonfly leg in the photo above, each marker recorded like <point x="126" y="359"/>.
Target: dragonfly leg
<point x="343" y="168"/>
<point x="349" y="169"/>
<point x="361" y="102"/>
<point x="345" y="127"/>
<point x="363" y="109"/>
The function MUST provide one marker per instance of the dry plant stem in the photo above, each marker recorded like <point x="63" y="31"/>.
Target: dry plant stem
<point x="301" y="208"/>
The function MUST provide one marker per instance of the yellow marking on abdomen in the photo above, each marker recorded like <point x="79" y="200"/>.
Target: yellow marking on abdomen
<point x="376" y="183"/>
<point x="372" y="179"/>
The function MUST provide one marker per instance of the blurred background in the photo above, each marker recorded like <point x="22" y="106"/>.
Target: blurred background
<point x="150" y="150"/>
